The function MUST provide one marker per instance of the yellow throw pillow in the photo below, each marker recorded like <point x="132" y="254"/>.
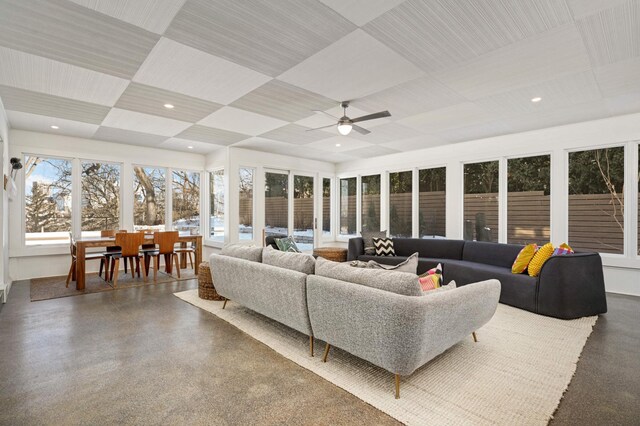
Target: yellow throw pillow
<point x="523" y="258"/>
<point x="541" y="256"/>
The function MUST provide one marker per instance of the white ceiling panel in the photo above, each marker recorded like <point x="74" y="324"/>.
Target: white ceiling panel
<point x="459" y="115"/>
<point x="573" y="89"/>
<point x="294" y="134"/>
<point x="385" y="133"/>
<point x="582" y="8"/>
<point x="66" y="32"/>
<point x="371" y="151"/>
<point x="152" y="15"/>
<point x="558" y="117"/>
<point x="413" y="97"/>
<point x="128" y="137"/>
<point x="439" y="34"/>
<point x="620" y="78"/>
<point x="556" y="53"/>
<point x="358" y="57"/>
<point x="623" y="104"/>
<point x="186" y="145"/>
<point x="211" y="135"/>
<point x="241" y="121"/>
<point x="612" y="35"/>
<point x="143" y="123"/>
<point x="267" y="36"/>
<point x="421" y="142"/>
<point x="39" y="74"/>
<point x="346" y="143"/>
<point x="287" y="149"/>
<point x="473" y="131"/>
<point x="361" y="11"/>
<point x="41" y="123"/>
<point x="183" y="69"/>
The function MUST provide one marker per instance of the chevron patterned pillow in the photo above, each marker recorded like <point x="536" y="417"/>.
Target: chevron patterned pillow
<point x="384" y="247"/>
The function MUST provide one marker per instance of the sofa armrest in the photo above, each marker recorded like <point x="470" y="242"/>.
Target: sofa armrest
<point x="356" y="248"/>
<point x="396" y="332"/>
<point x="571" y="286"/>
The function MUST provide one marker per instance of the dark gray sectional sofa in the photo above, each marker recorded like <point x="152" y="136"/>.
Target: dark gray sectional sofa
<point x="568" y="287"/>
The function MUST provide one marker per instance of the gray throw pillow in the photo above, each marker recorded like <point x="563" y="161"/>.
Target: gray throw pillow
<point x="368" y="236"/>
<point x="409" y="265"/>
<point x="243" y="251"/>
<point x="300" y="262"/>
<point x="393" y="281"/>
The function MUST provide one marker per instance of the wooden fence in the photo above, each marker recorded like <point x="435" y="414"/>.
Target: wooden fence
<point x="592" y="219"/>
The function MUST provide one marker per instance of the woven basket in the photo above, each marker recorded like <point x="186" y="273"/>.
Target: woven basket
<point x="206" y="290"/>
<point x="335" y="254"/>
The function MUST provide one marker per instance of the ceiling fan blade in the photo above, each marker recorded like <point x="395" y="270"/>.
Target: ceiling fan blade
<point x="360" y="130"/>
<point x="326" y="113"/>
<point x="323" y="127"/>
<point x="380" y="114"/>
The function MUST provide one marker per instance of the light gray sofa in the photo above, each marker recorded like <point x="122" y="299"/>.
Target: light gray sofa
<point x="275" y="292"/>
<point x="398" y="332"/>
<point x="380" y="316"/>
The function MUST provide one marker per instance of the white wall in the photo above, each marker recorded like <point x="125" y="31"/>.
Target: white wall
<point x="5" y="281"/>
<point x="30" y="262"/>
<point x="622" y="272"/>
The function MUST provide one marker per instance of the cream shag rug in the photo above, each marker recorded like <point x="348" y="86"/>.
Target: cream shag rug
<point x="515" y="375"/>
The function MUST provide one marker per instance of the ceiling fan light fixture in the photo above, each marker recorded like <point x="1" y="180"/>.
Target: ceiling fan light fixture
<point x="344" y="128"/>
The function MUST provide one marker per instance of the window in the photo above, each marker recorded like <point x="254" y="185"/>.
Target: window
<point x="276" y="203"/>
<point x="326" y="207"/>
<point x="370" y="203"/>
<point x="216" y="209"/>
<point x="246" y="204"/>
<point x="432" y="203"/>
<point x="400" y="204"/>
<point x="596" y="202"/>
<point x="186" y="201"/>
<point x="528" y="200"/>
<point x="481" y="201"/>
<point x="149" y="198"/>
<point x="47" y="200"/>
<point x="100" y="197"/>
<point x="348" y="206"/>
<point x="303" y="211"/>
<point x="638" y="180"/>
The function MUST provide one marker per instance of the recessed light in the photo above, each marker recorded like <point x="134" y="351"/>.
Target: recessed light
<point x="536" y="99"/>
<point x="55" y="127"/>
<point x="338" y="144"/>
<point x="190" y="147"/>
<point x="168" y="106"/>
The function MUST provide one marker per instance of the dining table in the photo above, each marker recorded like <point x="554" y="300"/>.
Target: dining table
<point x="84" y="243"/>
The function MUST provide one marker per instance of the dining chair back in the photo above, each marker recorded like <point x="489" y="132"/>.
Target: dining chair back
<point x="166" y="240"/>
<point x="111" y="232"/>
<point x="129" y="243"/>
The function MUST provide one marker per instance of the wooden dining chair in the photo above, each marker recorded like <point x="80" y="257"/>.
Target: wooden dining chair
<point x="129" y="244"/>
<point x="74" y="258"/>
<point x="165" y="242"/>
<point x="189" y="251"/>
<point x="111" y="232"/>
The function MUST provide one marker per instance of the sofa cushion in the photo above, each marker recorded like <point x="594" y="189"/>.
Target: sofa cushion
<point x="384" y="247"/>
<point x="409" y="265"/>
<point x="300" y="262"/>
<point x="491" y="253"/>
<point x="429" y="247"/>
<point x="518" y="290"/>
<point x="424" y="263"/>
<point x="392" y="281"/>
<point x="243" y="251"/>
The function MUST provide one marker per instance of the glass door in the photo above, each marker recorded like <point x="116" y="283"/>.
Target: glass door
<point x="276" y="203"/>
<point x="303" y="212"/>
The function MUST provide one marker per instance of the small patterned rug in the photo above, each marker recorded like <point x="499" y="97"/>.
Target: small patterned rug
<point x="54" y="287"/>
<point x="515" y="374"/>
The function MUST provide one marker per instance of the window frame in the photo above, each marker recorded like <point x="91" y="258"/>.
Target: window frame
<point x="501" y="193"/>
<point x="168" y="201"/>
<point x="320" y="208"/>
<point x="338" y="236"/>
<point x="254" y="174"/>
<point x="206" y="200"/>
<point x="170" y="170"/>
<point x="120" y="195"/>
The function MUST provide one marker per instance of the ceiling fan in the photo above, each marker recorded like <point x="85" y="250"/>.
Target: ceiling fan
<point x="345" y="124"/>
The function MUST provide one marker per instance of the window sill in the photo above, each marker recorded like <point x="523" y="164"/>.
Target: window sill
<point x="29" y="251"/>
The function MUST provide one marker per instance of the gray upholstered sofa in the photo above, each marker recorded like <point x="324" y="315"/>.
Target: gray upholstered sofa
<point x="568" y="287"/>
<point x="380" y="316"/>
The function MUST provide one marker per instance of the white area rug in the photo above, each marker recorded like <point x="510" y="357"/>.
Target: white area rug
<point x="515" y="375"/>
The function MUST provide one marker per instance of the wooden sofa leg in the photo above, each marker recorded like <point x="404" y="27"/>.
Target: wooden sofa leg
<point x="326" y="352"/>
<point x="475" y="338"/>
<point x="225" y="303"/>
<point x="311" y="344"/>
<point x="397" y="386"/>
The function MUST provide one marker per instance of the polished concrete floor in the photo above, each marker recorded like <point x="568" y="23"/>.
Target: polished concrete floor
<point x="142" y="356"/>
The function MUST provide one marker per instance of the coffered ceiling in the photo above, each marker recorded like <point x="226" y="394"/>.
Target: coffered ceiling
<point x="250" y="73"/>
